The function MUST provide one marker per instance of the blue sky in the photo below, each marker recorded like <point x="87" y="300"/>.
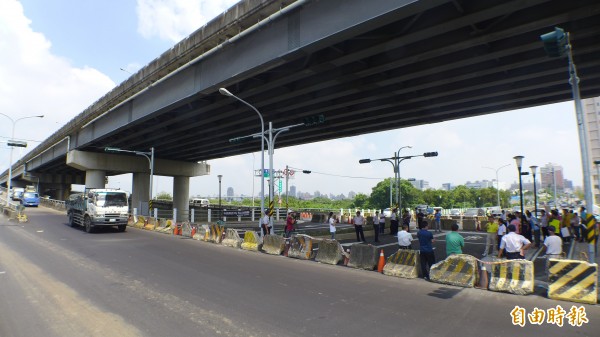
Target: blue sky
<point x="57" y="57"/>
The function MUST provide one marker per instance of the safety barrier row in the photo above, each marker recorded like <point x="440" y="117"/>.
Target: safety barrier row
<point x="569" y="280"/>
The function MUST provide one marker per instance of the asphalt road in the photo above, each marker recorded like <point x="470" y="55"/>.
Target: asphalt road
<point x="60" y="281"/>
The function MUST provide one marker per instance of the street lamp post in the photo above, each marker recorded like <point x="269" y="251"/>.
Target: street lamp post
<point x="395" y="161"/>
<point x="14" y="122"/>
<point x="398" y="182"/>
<point x="148" y="155"/>
<point x="519" y="161"/>
<point x="497" y="182"/>
<point x="226" y="92"/>
<point x="220" y="208"/>
<point x="533" y="172"/>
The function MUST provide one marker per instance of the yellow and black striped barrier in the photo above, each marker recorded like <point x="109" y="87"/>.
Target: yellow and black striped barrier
<point x="459" y="270"/>
<point x="590" y="225"/>
<point x="404" y="263"/>
<point x="572" y="280"/>
<point x="512" y="276"/>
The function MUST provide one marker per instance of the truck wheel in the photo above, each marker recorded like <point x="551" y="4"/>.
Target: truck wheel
<point x="71" y="220"/>
<point x="122" y="228"/>
<point x="88" y="224"/>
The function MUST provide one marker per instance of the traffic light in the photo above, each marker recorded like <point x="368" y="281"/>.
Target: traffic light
<point x="364" y="161"/>
<point x="314" y="120"/>
<point x="555" y="42"/>
<point x="430" y="154"/>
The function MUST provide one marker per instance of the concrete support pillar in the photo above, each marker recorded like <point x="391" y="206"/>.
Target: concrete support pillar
<point x="140" y="190"/>
<point x="95" y="178"/>
<point x="181" y="196"/>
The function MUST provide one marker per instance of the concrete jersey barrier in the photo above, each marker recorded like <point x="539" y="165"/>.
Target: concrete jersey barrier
<point x="186" y="229"/>
<point x="215" y="233"/>
<point x="251" y="241"/>
<point x="459" y="270"/>
<point x="572" y="280"/>
<point x="363" y="257"/>
<point x="404" y="263"/>
<point x="273" y="244"/>
<point x="232" y="238"/>
<point x="300" y="247"/>
<point x="330" y="252"/>
<point x="512" y="276"/>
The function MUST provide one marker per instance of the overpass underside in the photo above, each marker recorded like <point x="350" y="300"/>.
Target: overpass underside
<point x="367" y="66"/>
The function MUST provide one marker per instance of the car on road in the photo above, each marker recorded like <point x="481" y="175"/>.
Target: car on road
<point x="30" y="199"/>
<point x="475" y="212"/>
<point x="455" y="212"/>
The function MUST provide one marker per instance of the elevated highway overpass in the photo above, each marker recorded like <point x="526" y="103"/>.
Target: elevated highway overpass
<point x="367" y="66"/>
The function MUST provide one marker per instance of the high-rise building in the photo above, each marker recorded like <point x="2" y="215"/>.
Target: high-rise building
<point x="591" y="116"/>
<point x="293" y="191"/>
<point x="229" y="193"/>
<point x="552" y="174"/>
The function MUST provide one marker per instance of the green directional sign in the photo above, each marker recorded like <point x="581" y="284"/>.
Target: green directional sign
<point x="280" y="187"/>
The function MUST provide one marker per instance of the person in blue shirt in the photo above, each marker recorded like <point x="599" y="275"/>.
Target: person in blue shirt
<point x="426" y="253"/>
<point x="438" y="220"/>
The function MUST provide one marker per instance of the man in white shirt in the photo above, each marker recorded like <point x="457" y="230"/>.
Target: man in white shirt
<point x="514" y="244"/>
<point x="553" y="246"/>
<point x="404" y="238"/>
<point x="359" y="221"/>
<point x="265" y="223"/>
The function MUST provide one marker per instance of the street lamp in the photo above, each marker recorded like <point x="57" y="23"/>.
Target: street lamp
<point x="519" y="161"/>
<point x="395" y="161"/>
<point x="12" y="144"/>
<point x="269" y="138"/>
<point x="220" y="209"/>
<point x="533" y="172"/>
<point x="148" y="155"/>
<point x="497" y="182"/>
<point x="398" y="183"/>
<point x="226" y="92"/>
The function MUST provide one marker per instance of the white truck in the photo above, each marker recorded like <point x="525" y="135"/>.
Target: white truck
<point x="98" y="207"/>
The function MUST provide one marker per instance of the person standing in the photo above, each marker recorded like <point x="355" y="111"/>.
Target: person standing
<point x="290" y="222"/>
<point x="553" y="247"/>
<point x="426" y="253"/>
<point x="420" y="217"/>
<point x="575" y="226"/>
<point x="332" y="221"/>
<point x="544" y="224"/>
<point x="492" y="233"/>
<point x="404" y="238"/>
<point x="501" y="233"/>
<point x="406" y="219"/>
<point x="514" y="244"/>
<point x="394" y="222"/>
<point x="265" y="223"/>
<point x="534" y="229"/>
<point x="381" y="223"/>
<point x="359" y="221"/>
<point x="454" y="241"/>
<point x="438" y="220"/>
<point x="376" y="226"/>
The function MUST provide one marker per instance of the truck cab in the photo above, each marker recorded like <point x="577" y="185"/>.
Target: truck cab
<point x="98" y="207"/>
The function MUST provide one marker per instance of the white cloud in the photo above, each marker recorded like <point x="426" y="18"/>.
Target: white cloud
<point x="33" y="81"/>
<point x="173" y="20"/>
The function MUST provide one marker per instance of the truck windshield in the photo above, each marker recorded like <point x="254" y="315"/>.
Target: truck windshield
<point x="30" y="195"/>
<point x="107" y="199"/>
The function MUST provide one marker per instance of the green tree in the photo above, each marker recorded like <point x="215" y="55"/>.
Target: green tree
<point x="361" y="201"/>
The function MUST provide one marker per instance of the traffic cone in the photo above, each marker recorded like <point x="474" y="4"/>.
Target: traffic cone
<point x="381" y="262"/>
<point x="483" y="278"/>
<point x="193" y="231"/>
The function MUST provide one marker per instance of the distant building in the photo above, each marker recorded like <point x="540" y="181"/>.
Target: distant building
<point x="230" y="193"/>
<point x="351" y="195"/>
<point x="447" y="187"/>
<point x="479" y="184"/>
<point x="551" y="173"/>
<point x="420" y="184"/>
<point x="292" y="191"/>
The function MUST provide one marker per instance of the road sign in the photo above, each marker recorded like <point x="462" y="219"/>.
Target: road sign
<point x="266" y="173"/>
<point x="280" y="187"/>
